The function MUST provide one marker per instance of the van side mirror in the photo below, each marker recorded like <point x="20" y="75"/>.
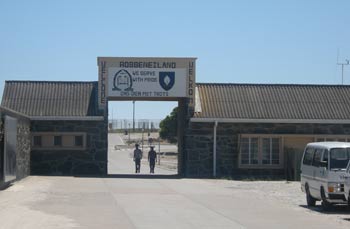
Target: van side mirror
<point x="324" y="164"/>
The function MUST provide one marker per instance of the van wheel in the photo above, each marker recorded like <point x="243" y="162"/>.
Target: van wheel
<point x="326" y="206"/>
<point x="311" y="202"/>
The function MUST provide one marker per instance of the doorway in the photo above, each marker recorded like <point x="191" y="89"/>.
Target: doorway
<point x="145" y="123"/>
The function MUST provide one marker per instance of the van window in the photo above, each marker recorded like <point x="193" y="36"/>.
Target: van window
<point x="308" y="157"/>
<point x="325" y="155"/>
<point x="317" y="157"/>
<point x="339" y="158"/>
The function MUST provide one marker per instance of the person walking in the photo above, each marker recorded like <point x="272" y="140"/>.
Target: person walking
<point x="137" y="158"/>
<point x="152" y="159"/>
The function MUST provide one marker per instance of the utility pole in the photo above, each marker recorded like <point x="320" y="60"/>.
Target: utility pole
<point x="133" y="116"/>
<point x="342" y="70"/>
<point x="129" y="134"/>
<point x="112" y="121"/>
<point x="142" y="138"/>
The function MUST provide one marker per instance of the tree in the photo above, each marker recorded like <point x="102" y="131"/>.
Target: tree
<point x="168" y="127"/>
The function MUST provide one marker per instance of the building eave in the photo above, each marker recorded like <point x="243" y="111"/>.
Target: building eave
<point x="12" y="112"/>
<point x="67" y="118"/>
<point x="233" y="120"/>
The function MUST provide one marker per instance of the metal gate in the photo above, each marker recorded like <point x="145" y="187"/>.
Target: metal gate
<point x="10" y="148"/>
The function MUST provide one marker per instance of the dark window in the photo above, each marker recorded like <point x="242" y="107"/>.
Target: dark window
<point x="57" y="140"/>
<point x="78" y="140"/>
<point x="325" y="155"/>
<point x="317" y="157"/>
<point x="308" y="157"/>
<point x="37" y="140"/>
<point x="339" y="158"/>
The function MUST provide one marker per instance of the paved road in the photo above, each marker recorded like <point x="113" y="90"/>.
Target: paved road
<point x="120" y="160"/>
<point x="70" y="202"/>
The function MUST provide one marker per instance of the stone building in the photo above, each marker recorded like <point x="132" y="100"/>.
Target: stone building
<point x="68" y="131"/>
<point x="235" y="130"/>
<point x="262" y="129"/>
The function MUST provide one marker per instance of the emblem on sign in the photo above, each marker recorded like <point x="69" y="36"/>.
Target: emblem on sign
<point x="167" y="80"/>
<point x="122" y="81"/>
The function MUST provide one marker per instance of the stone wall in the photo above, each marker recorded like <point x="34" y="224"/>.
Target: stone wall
<point x="90" y="161"/>
<point x="199" y="146"/>
<point x="23" y="148"/>
<point x="23" y="143"/>
<point x="2" y="130"/>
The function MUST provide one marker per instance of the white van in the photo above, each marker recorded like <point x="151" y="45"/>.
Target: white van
<point x="347" y="183"/>
<point x="323" y="168"/>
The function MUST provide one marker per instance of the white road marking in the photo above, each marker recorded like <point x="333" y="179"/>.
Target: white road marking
<point x="123" y="143"/>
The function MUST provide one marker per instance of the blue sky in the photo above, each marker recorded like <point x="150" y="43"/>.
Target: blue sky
<point x="294" y="42"/>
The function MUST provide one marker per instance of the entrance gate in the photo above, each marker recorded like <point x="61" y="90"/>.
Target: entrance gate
<point x="150" y="79"/>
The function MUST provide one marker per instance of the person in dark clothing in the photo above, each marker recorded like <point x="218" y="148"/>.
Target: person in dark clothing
<point x="137" y="158"/>
<point x="152" y="159"/>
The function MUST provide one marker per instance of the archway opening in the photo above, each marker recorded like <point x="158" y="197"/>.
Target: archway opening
<point x="138" y="122"/>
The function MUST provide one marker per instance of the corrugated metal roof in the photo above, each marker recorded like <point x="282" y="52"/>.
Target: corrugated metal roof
<point x="51" y="98"/>
<point x="274" y="101"/>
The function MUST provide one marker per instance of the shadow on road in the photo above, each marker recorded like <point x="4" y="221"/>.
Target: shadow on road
<point x="4" y="186"/>
<point x="335" y="210"/>
<point x="134" y="176"/>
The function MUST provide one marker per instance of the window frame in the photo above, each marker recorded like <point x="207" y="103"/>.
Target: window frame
<point x="50" y="142"/>
<point x="270" y="147"/>
<point x="260" y="165"/>
<point x="250" y="152"/>
<point x="315" y="137"/>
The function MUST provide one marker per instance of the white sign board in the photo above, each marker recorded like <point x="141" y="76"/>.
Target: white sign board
<point x="146" y="82"/>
